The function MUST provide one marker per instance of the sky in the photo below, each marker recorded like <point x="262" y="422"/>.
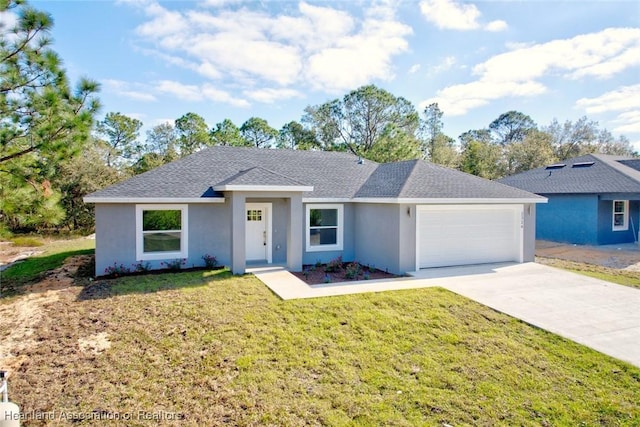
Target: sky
<point x="236" y="59"/>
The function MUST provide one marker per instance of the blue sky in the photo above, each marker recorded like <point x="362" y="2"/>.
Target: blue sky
<point x="236" y="59"/>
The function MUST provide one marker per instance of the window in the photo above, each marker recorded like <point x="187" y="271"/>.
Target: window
<point x="620" y="215"/>
<point x="161" y="232"/>
<point x="324" y="227"/>
<point x="254" y="215"/>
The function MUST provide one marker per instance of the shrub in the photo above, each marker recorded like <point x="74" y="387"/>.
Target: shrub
<point x="209" y="261"/>
<point x="116" y="270"/>
<point x="176" y="264"/>
<point x="141" y="267"/>
<point x="352" y="271"/>
<point x="334" y="265"/>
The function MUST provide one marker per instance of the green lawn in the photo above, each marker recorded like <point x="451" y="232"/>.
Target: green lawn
<point x="220" y="349"/>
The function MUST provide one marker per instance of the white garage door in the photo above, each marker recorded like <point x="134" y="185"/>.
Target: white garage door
<point x="461" y="235"/>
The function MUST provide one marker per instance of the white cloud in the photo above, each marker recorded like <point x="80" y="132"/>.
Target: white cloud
<point x="316" y="45"/>
<point x="495" y="26"/>
<point x="625" y="100"/>
<point x="179" y="90"/>
<point x="443" y="66"/>
<point x="129" y="90"/>
<point x="218" y="95"/>
<point x="455" y="15"/>
<point x="517" y="72"/>
<point x="271" y="95"/>
<point x="414" y="69"/>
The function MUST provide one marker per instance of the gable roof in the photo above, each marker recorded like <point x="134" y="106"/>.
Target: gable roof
<point x="589" y="174"/>
<point x="318" y="174"/>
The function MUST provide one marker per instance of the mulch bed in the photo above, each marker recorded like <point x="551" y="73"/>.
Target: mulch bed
<point x="344" y="272"/>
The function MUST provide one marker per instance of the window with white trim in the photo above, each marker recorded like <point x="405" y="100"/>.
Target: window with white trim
<point x="620" y="220"/>
<point x="324" y="230"/>
<point x="161" y="232"/>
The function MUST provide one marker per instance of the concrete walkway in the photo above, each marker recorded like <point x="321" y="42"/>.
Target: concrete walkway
<point x="592" y="312"/>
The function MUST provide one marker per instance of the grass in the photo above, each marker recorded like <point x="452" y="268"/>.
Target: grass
<point x="219" y="349"/>
<point x="621" y="277"/>
<point x="32" y="269"/>
<point x="27" y="242"/>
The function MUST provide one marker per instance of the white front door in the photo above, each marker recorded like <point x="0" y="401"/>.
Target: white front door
<point x="258" y="232"/>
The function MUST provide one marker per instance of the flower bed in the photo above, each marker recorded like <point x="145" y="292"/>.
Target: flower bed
<point x="337" y="271"/>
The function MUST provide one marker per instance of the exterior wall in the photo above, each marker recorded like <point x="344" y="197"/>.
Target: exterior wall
<point x="348" y="248"/>
<point x="606" y="235"/>
<point x="208" y="229"/>
<point x="407" y="238"/>
<point x="568" y="219"/>
<point x="377" y="230"/>
<point x="115" y="236"/>
<point x="209" y="233"/>
<point x="529" y="233"/>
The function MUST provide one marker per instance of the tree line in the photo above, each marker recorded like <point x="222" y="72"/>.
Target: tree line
<point x="53" y="151"/>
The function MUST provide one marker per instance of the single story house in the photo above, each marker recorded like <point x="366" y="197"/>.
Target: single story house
<point x="249" y="205"/>
<point x="593" y="199"/>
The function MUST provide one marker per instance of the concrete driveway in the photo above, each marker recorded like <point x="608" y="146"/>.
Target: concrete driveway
<point x="598" y="314"/>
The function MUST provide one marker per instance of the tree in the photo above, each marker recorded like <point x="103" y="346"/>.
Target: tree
<point x="161" y="143"/>
<point x="480" y="156"/>
<point x="80" y="176"/>
<point x="193" y="133"/>
<point x="359" y="121"/>
<point x="121" y="133"/>
<point x="258" y="133"/>
<point x="395" y="146"/>
<point x="436" y="146"/>
<point x="43" y="120"/>
<point x="511" y="126"/>
<point x="534" y="151"/>
<point x="584" y="136"/>
<point x="227" y="133"/>
<point x="294" y="136"/>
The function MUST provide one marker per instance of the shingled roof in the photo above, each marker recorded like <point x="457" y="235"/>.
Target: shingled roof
<point x="331" y="174"/>
<point x="589" y="174"/>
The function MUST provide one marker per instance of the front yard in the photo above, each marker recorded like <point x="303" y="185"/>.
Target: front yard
<point x="209" y="348"/>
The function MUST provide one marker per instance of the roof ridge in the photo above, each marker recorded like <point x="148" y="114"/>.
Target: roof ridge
<point x="613" y="163"/>
<point x="408" y="178"/>
<point x="278" y="174"/>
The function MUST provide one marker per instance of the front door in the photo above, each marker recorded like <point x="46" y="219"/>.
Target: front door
<point x="258" y="232"/>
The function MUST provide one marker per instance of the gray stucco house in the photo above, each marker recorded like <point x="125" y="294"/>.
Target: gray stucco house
<point x="246" y="205"/>
<point x="593" y="199"/>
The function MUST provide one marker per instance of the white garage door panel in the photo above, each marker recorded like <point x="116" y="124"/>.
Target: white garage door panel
<point x="464" y="235"/>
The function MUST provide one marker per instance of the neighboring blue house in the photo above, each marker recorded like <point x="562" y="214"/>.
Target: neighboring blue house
<point x="593" y="199"/>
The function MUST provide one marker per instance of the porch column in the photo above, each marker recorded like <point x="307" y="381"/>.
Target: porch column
<point x="294" y="233"/>
<point x="238" y="251"/>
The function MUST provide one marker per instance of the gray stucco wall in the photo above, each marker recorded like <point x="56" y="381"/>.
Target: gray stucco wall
<point x="377" y="229"/>
<point x="115" y="236"/>
<point x="209" y="233"/>
<point x="407" y="238"/>
<point x="529" y="233"/>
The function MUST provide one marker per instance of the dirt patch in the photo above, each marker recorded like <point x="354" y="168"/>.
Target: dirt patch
<point x="20" y="316"/>
<point x="95" y="344"/>
<point x="343" y="272"/>
<point x="624" y="256"/>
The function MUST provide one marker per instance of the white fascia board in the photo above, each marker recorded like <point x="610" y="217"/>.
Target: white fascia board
<point x="301" y="188"/>
<point x="432" y="201"/>
<point x="148" y="200"/>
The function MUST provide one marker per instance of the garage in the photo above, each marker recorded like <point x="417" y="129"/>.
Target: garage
<point x="449" y="235"/>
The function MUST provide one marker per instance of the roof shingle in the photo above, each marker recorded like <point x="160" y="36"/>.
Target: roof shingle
<point x="332" y="175"/>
